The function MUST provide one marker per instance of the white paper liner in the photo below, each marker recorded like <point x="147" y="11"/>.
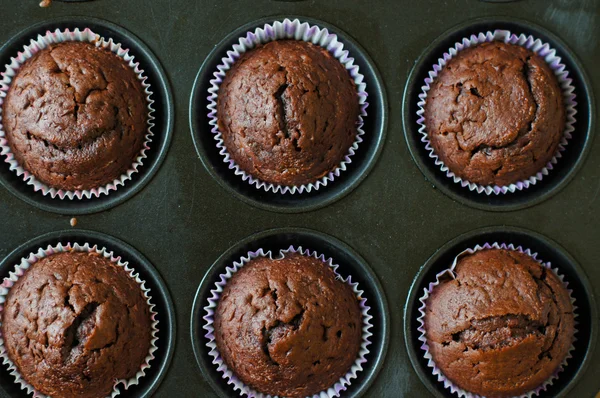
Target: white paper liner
<point x="450" y="273"/>
<point x="34" y="257"/>
<point x="565" y="82"/>
<point x="213" y="301"/>
<point x="40" y="43"/>
<point x="278" y="31"/>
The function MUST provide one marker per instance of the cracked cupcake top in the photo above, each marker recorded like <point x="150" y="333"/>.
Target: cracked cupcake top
<point x="75" y="116"/>
<point x="288" y="112"/>
<point x="502" y="327"/>
<point x="75" y="322"/>
<point x="495" y="114"/>
<point x="288" y="327"/>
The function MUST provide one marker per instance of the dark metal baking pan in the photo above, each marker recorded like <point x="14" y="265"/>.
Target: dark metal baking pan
<point x="362" y="162"/>
<point x="566" y="167"/>
<point x="163" y="113"/>
<point x="350" y="263"/>
<point x="548" y="251"/>
<point x="183" y="220"/>
<point x="160" y="298"/>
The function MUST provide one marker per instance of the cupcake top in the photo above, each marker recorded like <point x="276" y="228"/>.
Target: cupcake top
<point x="502" y="327"/>
<point x="75" y="322"/>
<point x="288" y="112"/>
<point x="495" y="114"/>
<point x="75" y="116"/>
<point x="288" y="327"/>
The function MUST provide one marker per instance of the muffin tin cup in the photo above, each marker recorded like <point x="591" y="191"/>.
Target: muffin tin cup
<point x="567" y="162"/>
<point x="294" y="30"/>
<point x="283" y="241"/>
<point x="150" y="374"/>
<point x="565" y="82"/>
<point x="20" y="270"/>
<point x="580" y="291"/>
<point x="163" y="116"/>
<point x="213" y="301"/>
<point x="450" y="274"/>
<point x="356" y="163"/>
<point x="41" y="43"/>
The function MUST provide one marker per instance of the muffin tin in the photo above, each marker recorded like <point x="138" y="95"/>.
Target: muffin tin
<point x="185" y="211"/>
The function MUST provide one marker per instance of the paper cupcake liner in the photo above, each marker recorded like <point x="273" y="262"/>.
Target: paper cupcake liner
<point x="295" y="30"/>
<point x="238" y="385"/>
<point x="565" y="82"/>
<point x="40" y="43"/>
<point x="34" y="257"/>
<point x="450" y="273"/>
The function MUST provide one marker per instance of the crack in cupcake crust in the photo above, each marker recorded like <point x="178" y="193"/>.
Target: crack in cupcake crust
<point x="70" y="122"/>
<point x="288" y="112"/>
<point x="273" y="314"/>
<point x="82" y="313"/>
<point x="495" y="114"/>
<point x="503" y="326"/>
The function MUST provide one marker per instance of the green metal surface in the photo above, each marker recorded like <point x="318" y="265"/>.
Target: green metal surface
<point x="183" y="220"/>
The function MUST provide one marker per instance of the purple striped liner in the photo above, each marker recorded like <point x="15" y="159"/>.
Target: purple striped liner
<point x="280" y="30"/>
<point x="34" y="257"/>
<point x="238" y="385"/>
<point x="40" y="43"/>
<point x="449" y="273"/>
<point x="565" y="82"/>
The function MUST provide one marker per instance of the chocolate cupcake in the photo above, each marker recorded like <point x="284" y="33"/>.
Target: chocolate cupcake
<point x="75" y="116"/>
<point x="502" y="326"/>
<point x="288" y="327"/>
<point x="495" y="114"/>
<point x="74" y="323"/>
<point x="288" y="111"/>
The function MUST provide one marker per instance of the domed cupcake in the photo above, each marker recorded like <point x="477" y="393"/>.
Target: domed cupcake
<point x="288" y="112"/>
<point x="74" y="323"/>
<point x="288" y="327"/>
<point x="495" y="114"/>
<point x="75" y="116"/>
<point x="502" y="326"/>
